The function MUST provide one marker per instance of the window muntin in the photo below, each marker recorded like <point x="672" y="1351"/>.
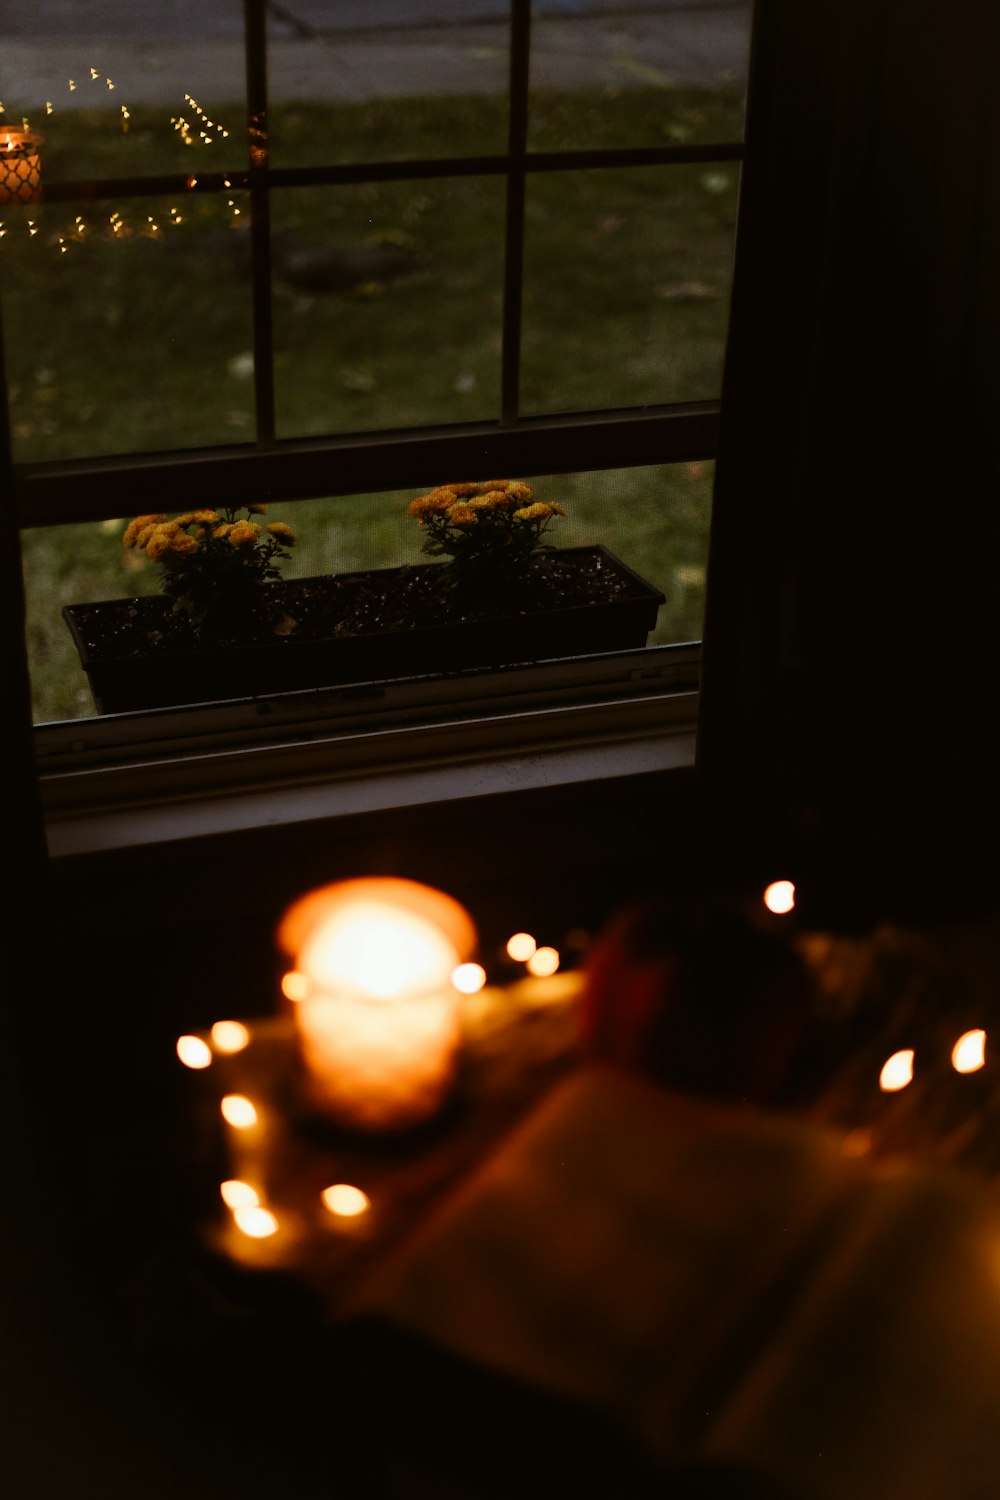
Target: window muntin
<point x="99" y="492"/>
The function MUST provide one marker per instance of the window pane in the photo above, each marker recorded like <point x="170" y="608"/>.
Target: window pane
<point x="129" y="328"/>
<point x="626" y="286"/>
<point x="387" y="304"/>
<point x="655" y="519"/>
<point x="395" y="80"/>
<point x="119" y="89"/>
<point x="613" y="73"/>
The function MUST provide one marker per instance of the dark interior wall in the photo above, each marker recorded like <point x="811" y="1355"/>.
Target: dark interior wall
<point x="852" y="628"/>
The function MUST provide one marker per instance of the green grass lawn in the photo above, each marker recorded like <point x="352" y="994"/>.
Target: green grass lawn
<point x="135" y="338"/>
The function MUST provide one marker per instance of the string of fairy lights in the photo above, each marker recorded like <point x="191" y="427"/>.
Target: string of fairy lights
<point x="193" y="125"/>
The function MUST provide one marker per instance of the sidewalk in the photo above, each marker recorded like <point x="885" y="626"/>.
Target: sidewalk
<point x="374" y="51"/>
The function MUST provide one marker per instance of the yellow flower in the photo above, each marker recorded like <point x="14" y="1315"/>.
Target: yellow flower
<point x="141" y="523"/>
<point x="243" y="533"/>
<point x="180" y="543"/>
<point x="437" y="501"/>
<point x="281" y="531"/>
<point x="205" y="517"/>
<point x="541" y="509"/>
<point x="160" y="541"/>
<point x="256" y="510"/>
<point x="462" y="515"/>
<point x="223" y="529"/>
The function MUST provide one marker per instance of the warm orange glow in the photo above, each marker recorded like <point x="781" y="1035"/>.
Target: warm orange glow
<point x="543" y="962"/>
<point x="237" y="1194"/>
<point x="379" y="1023"/>
<point x="20" y="165"/>
<point x="229" y="1036"/>
<point x="969" y="1052"/>
<point x="305" y="917"/>
<point x="294" y="986"/>
<point x="520" y="947"/>
<point x="345" y="1201"/>
<point x="897" y="1071"/>
<point x="779" y="897"/>
<point x="238" y="1111"/>
<point x="256" y="1222"/>
<point x="377" y="950"/>
<point x="468" y="978"/>
<point x="193" y="1052"/>
<point x="857" y="1142"/>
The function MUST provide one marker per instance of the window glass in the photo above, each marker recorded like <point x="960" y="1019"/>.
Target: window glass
<point x="626" y="286"/>
<point x="387" y="304"/>
<point x="120" y="89"/>
<point x="613" y="73"/>
<point x="130" y="329"/>
<point x="357" y="82"/>
<point x="654" y="519"/>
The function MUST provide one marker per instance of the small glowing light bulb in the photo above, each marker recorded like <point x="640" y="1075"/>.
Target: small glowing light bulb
<point x="897" y="1071"/>
<point x="521" y="946"/>
<point x="468" y="978"/>
<point x="779" y="897"/>
<point x="236" y="1194"/>
<point x="295" y="985"/>
<point x="238" y="1111"/>
<point x="193" y="1052"/>
<point x="229" y="1036"/>
<point x="969" y="1053"/>
<point x="256" y="1222"/>
<point x="543" y="962"/>
<point x="345" y="1201"/>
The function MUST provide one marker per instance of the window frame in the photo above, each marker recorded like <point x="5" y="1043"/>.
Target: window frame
<point x="93" y="489"/>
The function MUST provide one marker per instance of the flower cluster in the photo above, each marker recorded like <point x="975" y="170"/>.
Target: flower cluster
<point x="214" y="565"/>
<point x="497" y="522"/>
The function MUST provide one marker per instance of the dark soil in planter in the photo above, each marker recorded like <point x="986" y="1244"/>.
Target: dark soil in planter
<point x="341" y="629"/>
<point x="346" y="605"/>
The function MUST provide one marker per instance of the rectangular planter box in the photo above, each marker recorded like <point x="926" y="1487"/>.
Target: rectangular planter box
<point x="135" y="678"/>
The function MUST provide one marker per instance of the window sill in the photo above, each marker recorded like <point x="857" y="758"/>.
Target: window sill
<point x="133" y="781"/>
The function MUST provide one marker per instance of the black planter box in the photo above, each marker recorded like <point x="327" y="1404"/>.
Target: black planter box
<point x="136" y="676"/>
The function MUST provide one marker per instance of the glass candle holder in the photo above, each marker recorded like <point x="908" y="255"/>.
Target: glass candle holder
<point x="378" y="1017"/>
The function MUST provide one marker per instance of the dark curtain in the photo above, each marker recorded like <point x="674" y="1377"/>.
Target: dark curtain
<point x="848" y="726"/>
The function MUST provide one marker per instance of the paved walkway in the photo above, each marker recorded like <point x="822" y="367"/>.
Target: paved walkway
<point x="325" y="50"/>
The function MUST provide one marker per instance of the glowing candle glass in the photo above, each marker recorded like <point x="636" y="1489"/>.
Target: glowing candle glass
<point x="379" y="1020"/>
<point x="20" y="165"/>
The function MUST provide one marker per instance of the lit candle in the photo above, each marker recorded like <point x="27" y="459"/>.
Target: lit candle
<point x="20" y="165"/>
<point x="378" y="1018"/>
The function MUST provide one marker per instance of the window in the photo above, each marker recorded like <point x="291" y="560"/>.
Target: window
<point x="332" y="254"/>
